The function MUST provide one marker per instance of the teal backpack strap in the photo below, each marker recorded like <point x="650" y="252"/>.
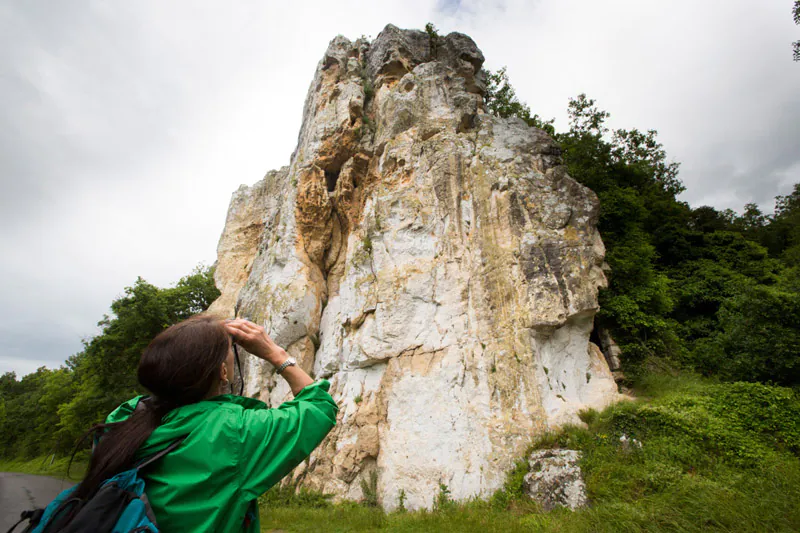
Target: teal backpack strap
<point x="120" y="504"/>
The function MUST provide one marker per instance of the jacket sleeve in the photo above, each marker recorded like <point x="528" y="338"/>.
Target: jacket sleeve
<point x="274" y="441"/>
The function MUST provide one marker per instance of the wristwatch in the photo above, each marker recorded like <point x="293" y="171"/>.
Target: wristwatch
<point x="290" y="361"/>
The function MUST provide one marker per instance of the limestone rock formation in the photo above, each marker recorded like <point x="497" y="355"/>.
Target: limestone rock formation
<point x="434" y="262"/>
<point x="555" y="479"/>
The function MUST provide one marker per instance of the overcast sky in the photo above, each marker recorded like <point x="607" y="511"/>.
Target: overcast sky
<point x="126" y="126"/>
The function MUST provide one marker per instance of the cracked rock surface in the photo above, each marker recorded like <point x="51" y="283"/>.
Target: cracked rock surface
<point x="555" y="479"/>
<point x="434" y="262"/>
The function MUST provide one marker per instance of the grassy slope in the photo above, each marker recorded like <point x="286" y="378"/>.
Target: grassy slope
<point x="41" y="466"/>
<point x="713" y="458"/>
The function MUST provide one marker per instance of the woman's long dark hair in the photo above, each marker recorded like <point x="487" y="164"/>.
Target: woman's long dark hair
<point x="179" y="367"/>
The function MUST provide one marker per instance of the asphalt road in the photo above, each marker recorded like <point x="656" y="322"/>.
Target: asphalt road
<point x="19" y="492"/>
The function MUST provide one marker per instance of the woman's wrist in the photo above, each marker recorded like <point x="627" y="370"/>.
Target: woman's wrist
<point x="276" y="357"/>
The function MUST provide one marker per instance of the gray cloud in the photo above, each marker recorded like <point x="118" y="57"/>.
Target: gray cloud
<point x="717" y="82"/>
<point x="124" y="131"/>
<point x="78" y="101"/>
<point x="125" y="127"/>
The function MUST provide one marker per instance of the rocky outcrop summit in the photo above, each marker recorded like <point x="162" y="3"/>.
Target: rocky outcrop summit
<point x="434" y="262"/>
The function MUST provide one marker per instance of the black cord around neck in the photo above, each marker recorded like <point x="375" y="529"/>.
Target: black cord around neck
<point x="236" y="354"/>
<point x="239" y="367"/>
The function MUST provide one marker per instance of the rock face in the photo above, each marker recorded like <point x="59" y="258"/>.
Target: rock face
<point x="555" y="479"/>
<point x="434" y="262"/>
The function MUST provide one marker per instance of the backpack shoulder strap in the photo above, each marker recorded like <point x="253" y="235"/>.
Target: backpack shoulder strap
<point x="147" y="461"/>
<point x="33" y="516"/>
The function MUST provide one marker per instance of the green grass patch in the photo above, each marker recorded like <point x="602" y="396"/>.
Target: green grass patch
<point x="333" y="518"/>
<point x="694" y="455"/>
<point x="43" y="466"/>
<point x="291" y="497"/>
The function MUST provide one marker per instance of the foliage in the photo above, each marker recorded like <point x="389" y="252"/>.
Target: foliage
<point x="401" y="501"/>
<point x="48" y="410"/>
<point x="677" y="273"/>
<point x="512" y="490"/>
<point x="369" y="489"/>
<point x="782" y="235"/>
<point x="443" y="500"/>
<point x="369" y="93"/>
<point x="289" y="495"/>
<point x="433" y="38"/>
<point x="48" y="465"/>
<point x="758" y="337"/>
<point x="431" y="30"/>
<point x="796" y="16"/>
<point x="501" y="100"/>
<point x="682" y="279"/>
<point x="639" y="216"/>
<point x="718" y="267"/>
<point x="366" y="242"/>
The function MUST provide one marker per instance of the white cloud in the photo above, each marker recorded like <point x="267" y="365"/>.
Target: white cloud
<point x="128" y="125"/>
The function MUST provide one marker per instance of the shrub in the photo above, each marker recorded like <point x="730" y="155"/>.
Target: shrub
<point x="401" y="501"/>
<point x="443" y="501"/>
<point x="369" y="489"/>
<point x="513" y="487"/>
<point x="369" y="92"/>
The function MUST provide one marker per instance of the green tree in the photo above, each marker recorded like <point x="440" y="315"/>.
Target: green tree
<point x="501" y="100"/>
<point x="24" y="419"/>
<point x="784" y="229"/>
<point x="796" y="16"/>
<point x="721" y="264"/>
<point x="758" y="338"/>
<point x="105" y="372"/>
<point x="638" y="216"/>
<point x="49" y="409"/>
<point x="634" y="148"/>
<point x="433" y="38"/>
<point x="681" y="279"/>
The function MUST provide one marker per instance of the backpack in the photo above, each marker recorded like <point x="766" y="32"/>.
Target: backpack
<point x="119" y="505"/>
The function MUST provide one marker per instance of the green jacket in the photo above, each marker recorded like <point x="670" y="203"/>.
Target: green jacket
<point x="235" y="449"/>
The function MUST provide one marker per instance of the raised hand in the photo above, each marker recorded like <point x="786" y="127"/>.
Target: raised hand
<point x="255" y="340"/>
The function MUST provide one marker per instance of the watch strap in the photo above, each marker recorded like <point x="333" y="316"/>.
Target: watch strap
<point x="289" y="362"/>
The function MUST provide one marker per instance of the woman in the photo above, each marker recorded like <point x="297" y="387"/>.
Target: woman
<point x="234" y="448"/>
